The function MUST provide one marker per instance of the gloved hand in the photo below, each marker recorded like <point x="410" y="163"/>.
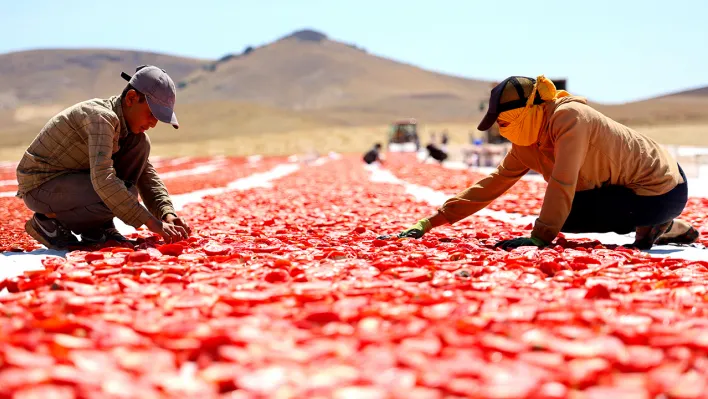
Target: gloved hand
<point x="417" y="230"/>
<point x="520" y="242"/>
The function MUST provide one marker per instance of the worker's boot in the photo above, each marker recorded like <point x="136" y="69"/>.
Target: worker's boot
<point x="679" y="232"/>
<point x="50" y="232"/>
<point x="646" y="236"/>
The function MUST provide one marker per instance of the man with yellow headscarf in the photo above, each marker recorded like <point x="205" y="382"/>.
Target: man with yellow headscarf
<point x="602" y="176"/>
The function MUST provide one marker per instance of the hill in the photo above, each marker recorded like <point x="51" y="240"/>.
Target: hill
<point x="43" y="80"/>
<point x="306" y="71"/>
<point x="35" y="85"/>
<point x="667" y="110"/>
<point x="41" y="77"/>
<point x="697" y="92"/>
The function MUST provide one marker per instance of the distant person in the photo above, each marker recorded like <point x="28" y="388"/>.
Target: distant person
<point x="444" y="140"/>
<point x="472" y="154"/>
<point x="416" y="140"/>
<point x="374" y="154"/>
<point x="436" y="153"/>
<point x="89" y="162"/>
<point x="602" y="176"/>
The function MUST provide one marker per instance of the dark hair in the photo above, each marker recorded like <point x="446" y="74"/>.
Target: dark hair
<point x="378" y="145"/>
<point x="129" y="87"/>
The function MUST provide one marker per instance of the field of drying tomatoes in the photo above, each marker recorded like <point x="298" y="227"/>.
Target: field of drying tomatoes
<point x="285" y="292"/>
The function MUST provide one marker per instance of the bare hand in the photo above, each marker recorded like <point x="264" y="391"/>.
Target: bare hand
<point x="178" y="221"/>
<point x="169" y="232"/>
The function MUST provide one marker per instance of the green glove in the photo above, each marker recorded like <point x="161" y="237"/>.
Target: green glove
<point x="520" y="242"/>
<point x="417" y="230"/>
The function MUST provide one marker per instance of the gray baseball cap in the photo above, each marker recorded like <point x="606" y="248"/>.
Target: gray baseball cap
<point x="159" y="90"/>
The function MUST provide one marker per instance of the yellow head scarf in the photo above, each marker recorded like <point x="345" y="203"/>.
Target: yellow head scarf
<point x="524" y="124"/>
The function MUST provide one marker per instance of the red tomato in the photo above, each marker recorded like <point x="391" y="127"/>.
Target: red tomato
<point x="213" y="249"/>
<point x="171" y="249"/>
<point x="191" y="257"/>
<point x="151" y="269"/>
<point x="94" y="256"/>
<point x="598" y="291"/>
<point x="115" y="261"/>
<point x="138" y="256"/>
<point x="107" y="272"/>
<point x="46" y="391"/>
<point x="53" y="262"/>
<point x="277" y="276"/>
<point x="411" y="274"/>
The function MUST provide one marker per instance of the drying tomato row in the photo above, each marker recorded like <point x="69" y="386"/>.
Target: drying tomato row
<point x="180" y="177"/>
<point x="524" y="198"/>
<point x="14" y="213"/>
<point x="286" y="292"/>
<point x="164" y="165"/>
<point x="230" y="170"/>
<point x="696" y="213"/>
<point x="7" y="171"/>
<point x="13" y="237"/>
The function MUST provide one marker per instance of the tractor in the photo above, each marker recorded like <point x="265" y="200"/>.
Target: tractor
<point x="403" y="136"/>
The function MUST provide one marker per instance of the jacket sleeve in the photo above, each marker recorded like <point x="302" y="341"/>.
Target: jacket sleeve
<point x="570" y="129"/>
<point x="474" y="198"/>
<point x="154" y="193"/>
<point x="124" y="205"/>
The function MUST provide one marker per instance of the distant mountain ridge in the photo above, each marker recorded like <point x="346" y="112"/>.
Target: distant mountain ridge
<point x="40" y="77"/>
<point x="301" y="80"/>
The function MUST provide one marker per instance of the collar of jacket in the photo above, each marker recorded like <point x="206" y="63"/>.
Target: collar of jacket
<point x="118" y="109"/>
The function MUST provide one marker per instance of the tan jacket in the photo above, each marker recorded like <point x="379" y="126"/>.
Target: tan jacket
<point x="578" y="149"/>
<point x="83" y="138"/>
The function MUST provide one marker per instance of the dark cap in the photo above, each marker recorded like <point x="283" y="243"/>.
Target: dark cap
<point x="159" y="90"/>
<point x="512" y="93"/>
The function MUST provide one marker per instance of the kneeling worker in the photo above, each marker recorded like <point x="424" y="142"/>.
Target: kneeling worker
<point x="602" y="176"/>
<point x="435" y="152"/>
<point x="90" y="161"/>
<point x="374" y="154"/>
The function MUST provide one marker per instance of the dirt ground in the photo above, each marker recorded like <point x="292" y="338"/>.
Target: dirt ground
<point x="346" y="140"/>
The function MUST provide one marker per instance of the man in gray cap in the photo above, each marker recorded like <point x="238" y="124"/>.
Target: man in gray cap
<point x="89" y="162"/>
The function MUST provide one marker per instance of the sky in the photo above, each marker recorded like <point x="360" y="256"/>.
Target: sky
<point x="610" y="51"/>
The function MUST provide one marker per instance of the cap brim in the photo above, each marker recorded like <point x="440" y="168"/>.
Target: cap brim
<point x="162" y="113"/>
<point x="487" y="121"/>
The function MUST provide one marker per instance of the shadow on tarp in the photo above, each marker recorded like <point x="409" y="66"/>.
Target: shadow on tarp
<point x="37" y="252"/>
<point x="15" y="263"/>
<point x="664" y="251"/>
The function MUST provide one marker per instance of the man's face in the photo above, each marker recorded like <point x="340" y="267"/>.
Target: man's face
<point x="137" y="113"/>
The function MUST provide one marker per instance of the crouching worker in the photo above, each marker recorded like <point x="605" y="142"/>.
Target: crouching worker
<point x="374" y="154"/>
<point x="602" y="176"/>
<point x="435" y="152"/>
<point x="89" y="162"/>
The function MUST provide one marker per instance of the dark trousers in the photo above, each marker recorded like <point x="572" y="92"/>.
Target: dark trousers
<point x="72" y="196"/>
<point x="618" y="209"/>
<point x="371" y="156"/>
<point x="436" y="153"/>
